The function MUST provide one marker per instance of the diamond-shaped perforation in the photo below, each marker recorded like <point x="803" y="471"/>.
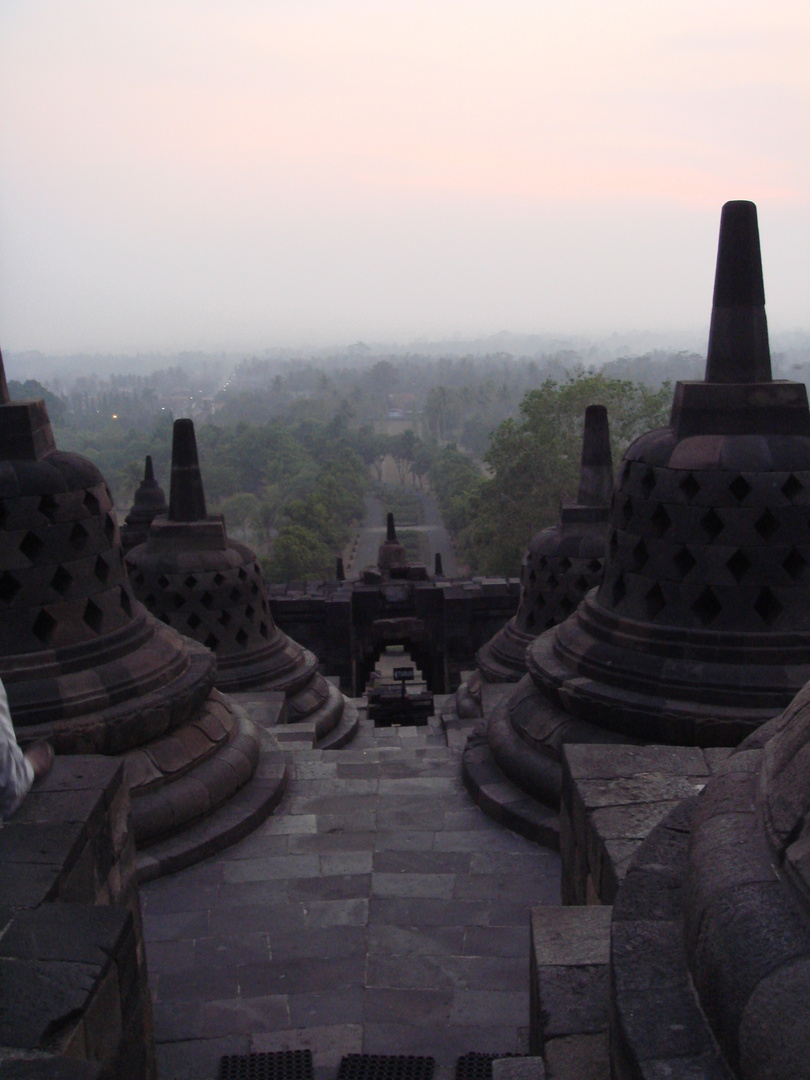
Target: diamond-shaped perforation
<point x="207" y="600"/>
<point x="250" y="612"/>
<point x="163" y="581"/>
<point x="712" y="524"/>
<point x="219" y="579"/>
<point x="640" y="556"/>
<point x="541" y="562"/>
<point x="619" y="591"/>
<point x="241" y="573"/>
<point x="684" y="563"/>
<point x="654" y="602"/>
<point x="126" y="602"/>
<point x="767" y="607"/>
<point x="552" y="580"/>
<point x="190" y="581"/>
<point x="224" y="618"/>
<point x="648" y="482"/>
<point x="101" y="569"/>
<point x="254" y="589"/>
<point x="689" y="486"/>
<point x="766" y="525"/>
<point x="43" y="627"/>
<point x="626" y="512"/>
<point x="241" y="637"/>
<point x="707" y="607"/>
<point x="263" y="629"/>
<point x="193" y="621"/>
<point x="178" y="600"/>
<point x="660" y="520"/>
<point x="581" y="584"/>
<point x="93" y="616"/>
<point x="624" y="472"/>
<point x="109" y="527"/>
<point x="9" y="587"/>
<point x="794" y="564"/>
<point x="61" y="580"/>
<point x="738" y="565"/>
<point x="78" y="537"/>
<point x="234" y="595"/>
<point x="564" y="564"/>
<point x="211" y="642"/>
<point x="740" y="488"/>
<point x="594" y="565"/>
<point x="91" y="503"/>
<point x="31" y="545"/>
<point x="613" y="543"/>
<point x="792" y="487"/>
<point x="48" y="507"/>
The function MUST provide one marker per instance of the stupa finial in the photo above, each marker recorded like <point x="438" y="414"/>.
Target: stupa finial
<point x="148" y="471"/>
<point x="5" y="397"/>
<point x="390" y="532"/>
<point x="187" y="497"/>
<point x="596" y="468"/>
<point x="738" y="338"/>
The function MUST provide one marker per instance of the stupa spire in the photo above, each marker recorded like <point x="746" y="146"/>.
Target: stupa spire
<point x="390" y="530"/>
<point x="738" y="338"/>
<point x="596" y="463"/>
<point x="186" y="497"/>
<point x="5" y="397"/>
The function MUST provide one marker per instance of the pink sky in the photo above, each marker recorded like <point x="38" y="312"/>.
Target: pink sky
<point x="193" y="174"/>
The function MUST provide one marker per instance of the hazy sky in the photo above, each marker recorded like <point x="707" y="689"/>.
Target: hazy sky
<point x="249" y="173"/>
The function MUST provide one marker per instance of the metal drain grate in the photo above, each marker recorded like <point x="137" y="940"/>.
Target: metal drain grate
<point x="475" y="1066"/>
<point x="277" y="1065"/>
<point x="385" y="1067"/>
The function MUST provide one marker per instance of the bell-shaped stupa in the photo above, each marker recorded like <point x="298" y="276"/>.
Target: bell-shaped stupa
<point x="562" y="562"/>
<point x="710" y="939"/>
<point x="700" y="629"/>
<point x="193" y="578"/>
<point x="149" y="503"/>
<point x="84" y="663"/>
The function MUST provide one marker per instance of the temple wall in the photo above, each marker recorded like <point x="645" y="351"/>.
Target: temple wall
<point x="73" y="979"/>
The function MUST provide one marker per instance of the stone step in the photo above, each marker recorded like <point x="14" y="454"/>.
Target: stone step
<point x="232" y="821"/>
<point x="345" y="731"/>
<point x="503" y="800"/>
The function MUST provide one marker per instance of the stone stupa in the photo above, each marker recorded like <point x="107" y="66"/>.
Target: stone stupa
<point x="87" y="666"/>
<point x="710" y="937"/>
<point x="149" y="503"/>
<point x="195" y="579"/>
<point x="700" y="629"/>
<point x="559" y="566"/>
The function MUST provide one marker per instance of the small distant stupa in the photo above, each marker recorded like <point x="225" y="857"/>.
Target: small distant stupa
<point x="149" y="503"/>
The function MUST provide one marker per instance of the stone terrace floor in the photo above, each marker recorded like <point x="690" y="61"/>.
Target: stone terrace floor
<point x="377" y="911"/>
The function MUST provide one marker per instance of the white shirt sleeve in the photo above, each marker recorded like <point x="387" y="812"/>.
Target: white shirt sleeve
<point x="16" y="773"/>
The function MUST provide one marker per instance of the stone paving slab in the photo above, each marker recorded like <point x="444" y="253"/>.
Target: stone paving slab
<point x="377" y="911"/>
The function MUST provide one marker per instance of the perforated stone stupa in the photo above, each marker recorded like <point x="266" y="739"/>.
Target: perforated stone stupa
<point x="193" y="578"/>
<point x="710" y="949"/>
<point x="700" y="629"/>
<point x="149" y="503"/>
<point x="562" y="562"/>
<point x="82" y="661"/>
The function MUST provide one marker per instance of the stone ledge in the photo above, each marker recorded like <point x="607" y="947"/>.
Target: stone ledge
<point x="569" y="990"/>
<point x="72" y="969"/>
<point x="612" y="798"/>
